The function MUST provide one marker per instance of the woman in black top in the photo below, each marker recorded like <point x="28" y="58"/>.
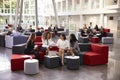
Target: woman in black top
<point x="74" y="45"/>
<point x="31" y="48"/>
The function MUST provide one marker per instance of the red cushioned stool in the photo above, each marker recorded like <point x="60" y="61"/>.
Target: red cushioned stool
<point x="95" y="39"/>
<point x="17" y="61"/>
<point x="54" y="48"/>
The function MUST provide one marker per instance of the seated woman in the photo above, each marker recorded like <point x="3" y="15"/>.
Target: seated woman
<point x="31" y="48"/>
<point x="63" y="46"/>
<point x="46" y="41"/>
<point x="74" y="46"/>
<point x="84" y="31"/>
<point x="103" y="33"/>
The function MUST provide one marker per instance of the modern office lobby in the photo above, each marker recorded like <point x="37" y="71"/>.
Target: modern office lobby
<point x="94" y="24"/>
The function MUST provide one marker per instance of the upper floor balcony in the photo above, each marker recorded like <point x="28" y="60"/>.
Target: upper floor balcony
<point x="76" y="7"/>
<point x="8" y="11"/>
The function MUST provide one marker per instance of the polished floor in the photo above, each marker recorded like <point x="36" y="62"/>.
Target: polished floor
<point x="110" y="71"/>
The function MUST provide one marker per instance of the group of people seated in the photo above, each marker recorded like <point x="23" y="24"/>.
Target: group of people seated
<point x="70" y="47"/>
<point x="90" y="32"/>
<point x="9" y="30"/>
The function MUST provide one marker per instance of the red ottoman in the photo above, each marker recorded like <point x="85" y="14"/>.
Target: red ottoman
<point x="107" y="30"/>
<point x="95" y="39"/>
<point x="17" y="61"/>
<point x="41" y="56"/>
<point x="54" y="48"/>
<point x="92" y="58"/>
<point x="98" y="55"/>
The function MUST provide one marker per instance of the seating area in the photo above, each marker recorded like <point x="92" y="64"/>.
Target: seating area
<point x="90" y="54"/>
<point x="59" y="39"/>
<point x="96" y="36"/>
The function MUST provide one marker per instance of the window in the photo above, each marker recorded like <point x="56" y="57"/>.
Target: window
<point x="95" y="4"/>
<point x="110" y="2"/>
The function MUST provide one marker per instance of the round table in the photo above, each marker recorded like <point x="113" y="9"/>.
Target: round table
<point x="73" y="62"/>
<point x="31" y="66"/>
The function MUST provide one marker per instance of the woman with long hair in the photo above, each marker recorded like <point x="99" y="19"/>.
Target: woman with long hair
<point x="46" y="41"/>
<point x="31" y="48"/>
<point x="74" y="46"/>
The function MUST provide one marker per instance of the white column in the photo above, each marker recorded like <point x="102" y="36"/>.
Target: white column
<point x="81" y="4"/>
<point x="67" y="22"/>
<point x="105" y="21"/>
<point x="81" y="21"/>
<point x="56" y="15"/>
<point x="67" y="6"/>
<point x="101" y="19"/>
<point x="29" y="7"/>
<point x="101" y="3"/>
<point x="73" y="5"/>
<point x="119" y="3"/>
<point x="16" y="15"/>
<point x="61" y="6"/>
<point x="21" y="10"/>
<point x="23" y="16"/>
<point x="89" y="4"/>
<point x="36" y="14"/>
<point x="10" y="18"/>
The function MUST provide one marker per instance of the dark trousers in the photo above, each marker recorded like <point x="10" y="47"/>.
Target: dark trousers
<point x="34" y="52"/>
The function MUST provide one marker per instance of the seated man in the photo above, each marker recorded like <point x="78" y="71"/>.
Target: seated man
<point x="31" y="29"/>
<point x="19" y="28"/>
<point x="38" y="33"/>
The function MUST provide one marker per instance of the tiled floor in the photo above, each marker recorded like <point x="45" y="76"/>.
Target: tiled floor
<point x="110" y="71"/>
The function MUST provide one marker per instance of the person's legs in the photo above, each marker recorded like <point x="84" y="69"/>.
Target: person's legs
<point x="61" y="54"/>
<point x="47" y="51"/>
<point x="71" y="51"/>
<point x="37" y="56"/>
